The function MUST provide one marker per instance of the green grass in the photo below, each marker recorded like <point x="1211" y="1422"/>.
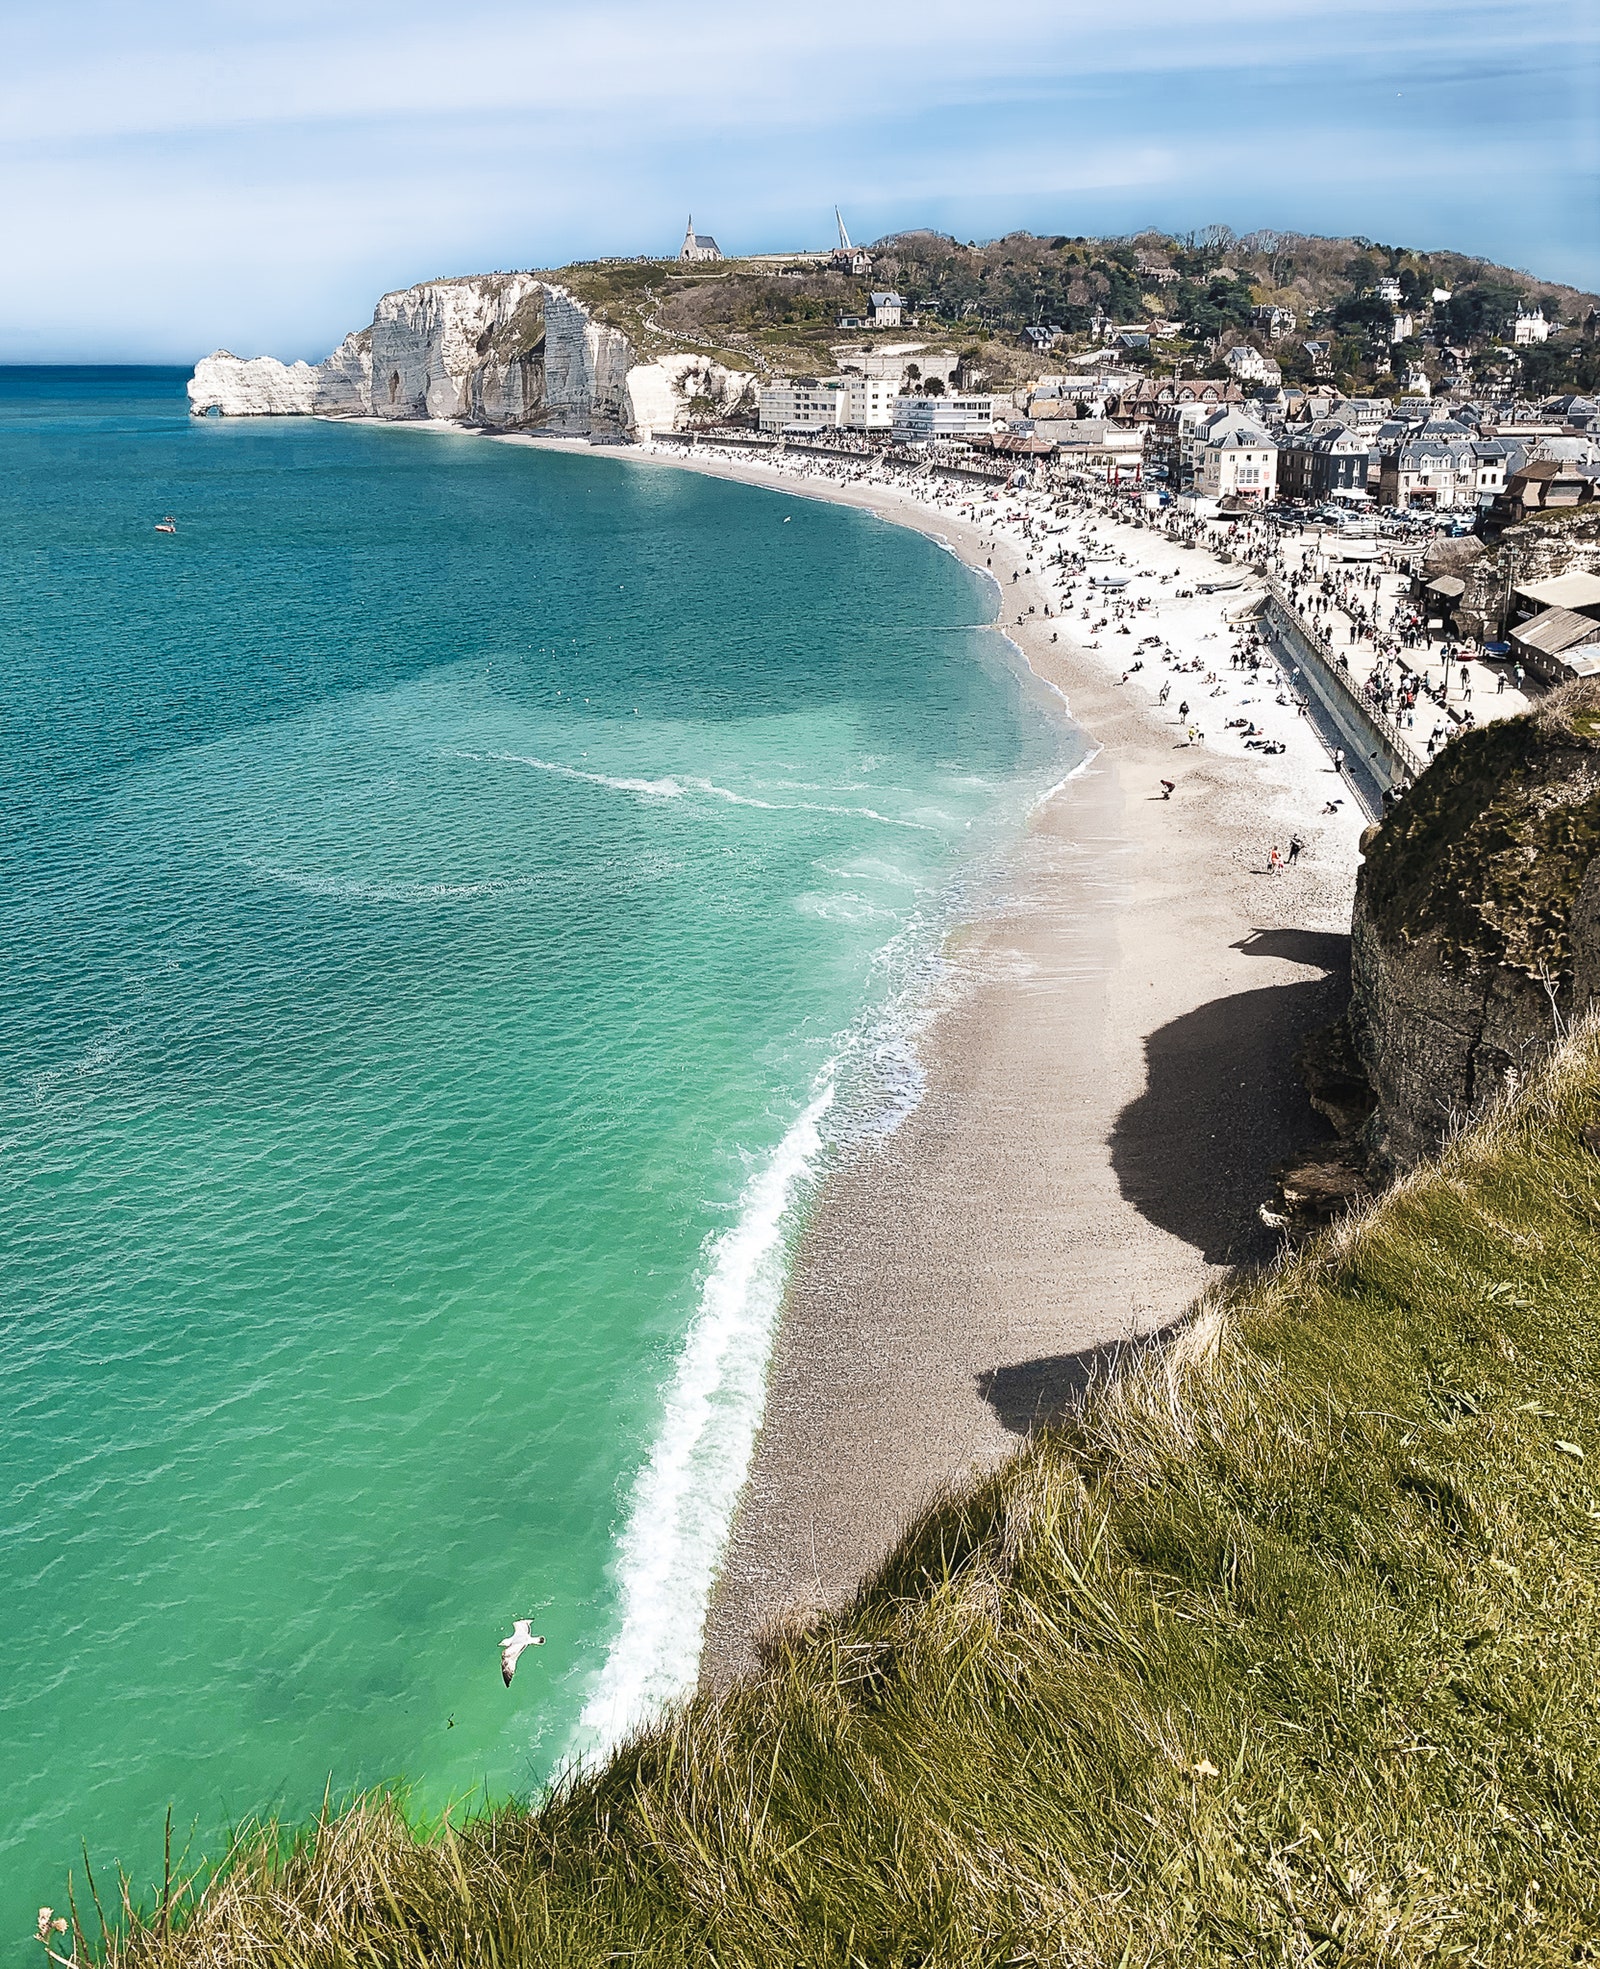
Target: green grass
<point x="1285" y="1652"/>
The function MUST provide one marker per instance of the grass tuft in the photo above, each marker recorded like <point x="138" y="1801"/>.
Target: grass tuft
<point x="1282" y="1653"/>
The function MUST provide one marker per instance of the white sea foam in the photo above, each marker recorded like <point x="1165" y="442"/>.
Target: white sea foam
<point x="652" y="789"/>
<point x="348" y="889"/>
<point x="842" y="906"/>
<point x="669" y="788"/>
<point x="683" y="1501"/>
<point x="804" y="806"/>
<point x="1050" y="792"/>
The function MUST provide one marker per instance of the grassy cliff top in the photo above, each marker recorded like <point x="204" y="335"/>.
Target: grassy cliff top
<point x="1489" y="848"/>
<point x="1282" y="1652"/>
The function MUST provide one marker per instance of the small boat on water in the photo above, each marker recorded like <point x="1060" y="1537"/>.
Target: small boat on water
<point x="166" y="524"/>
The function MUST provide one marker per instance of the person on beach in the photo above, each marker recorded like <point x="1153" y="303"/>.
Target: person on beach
<point x="1274" y="860"/>
<point x="1296" y="849"/>
<point x="1168" y="787"/>
<point x="1338" y="758"/>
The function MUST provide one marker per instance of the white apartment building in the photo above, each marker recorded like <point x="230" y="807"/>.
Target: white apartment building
<point x="826" y="403"/>
<point x="1530" y="328"/>
<point x="868" y="403"/>
<point x="1234" y="458"/>
<point x="802" y="403"/>
<point x="926" y="420"/>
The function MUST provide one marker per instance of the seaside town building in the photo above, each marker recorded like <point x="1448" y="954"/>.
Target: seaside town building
<point x="851" y="402"/>
<point x="1323" y="459"/>
<point x="1555" y="626"/>
<point x="1170" y="451"/>
<point x="801" y="403"/>
<point x="1431" y="466"/>
<point x="1531" y="327"/>
<point x="868" y="403"/>
<point x="1234" y="458"/>
<point x="1276" y="322"/>
<point x="1114" y="451"/>
<point x="1248" y="363"/>
<point x="928" y="420"/>
<point x="885" y="310"/>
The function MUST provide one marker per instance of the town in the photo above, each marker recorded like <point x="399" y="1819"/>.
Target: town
<point x="1400" y="422"/>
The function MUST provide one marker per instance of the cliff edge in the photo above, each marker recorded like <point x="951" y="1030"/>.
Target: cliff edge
<point x="497" y="351"/>
<point x="1476" y="932"/>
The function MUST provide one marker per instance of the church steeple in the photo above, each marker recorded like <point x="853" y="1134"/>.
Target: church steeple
<point x="698" y="246"/>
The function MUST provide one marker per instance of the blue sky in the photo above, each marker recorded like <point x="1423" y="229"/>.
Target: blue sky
<point x="190" y="176"/>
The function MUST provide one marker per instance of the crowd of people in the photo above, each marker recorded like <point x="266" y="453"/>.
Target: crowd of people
<point x="1079" y="536"/>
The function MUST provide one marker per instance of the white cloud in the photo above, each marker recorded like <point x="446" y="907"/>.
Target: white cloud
<point x="232" y="173"/>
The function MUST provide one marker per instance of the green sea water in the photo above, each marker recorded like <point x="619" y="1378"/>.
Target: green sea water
<point x="456" y="899"/>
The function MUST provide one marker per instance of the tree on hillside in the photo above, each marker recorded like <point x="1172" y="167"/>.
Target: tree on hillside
<point x="1363" y="311"/>
<point x="1485" y="308"/>
<point x="1210" y="311"/>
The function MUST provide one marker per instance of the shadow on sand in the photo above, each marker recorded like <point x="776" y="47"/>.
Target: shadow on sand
<point x="1223" y="1103"/>
<point x="1042" y="1394"/>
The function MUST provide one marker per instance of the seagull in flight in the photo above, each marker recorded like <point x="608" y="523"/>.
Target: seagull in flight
<point x="520" y="1637"/>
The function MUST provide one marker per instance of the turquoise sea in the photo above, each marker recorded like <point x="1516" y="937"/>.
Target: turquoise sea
<point x="456" y="898"/>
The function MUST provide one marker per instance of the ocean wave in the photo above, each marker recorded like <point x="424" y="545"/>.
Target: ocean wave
<point x="683" y="1500"/>
<point x="670" y="788"/>
<point x="343" y="888"/>
<point x="809" y="807"/>
<point x="1050" y="792"/>
<point x="842" y="906"/>
<point x="651" y="789"/>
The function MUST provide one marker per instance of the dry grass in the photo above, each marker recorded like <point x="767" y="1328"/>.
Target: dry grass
<point x="1284" y="1653"/>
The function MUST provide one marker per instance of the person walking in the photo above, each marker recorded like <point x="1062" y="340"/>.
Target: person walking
<point x="1338" y="758"/>
<point x="1274" y="860"/>
<point x="1296" y="849"/>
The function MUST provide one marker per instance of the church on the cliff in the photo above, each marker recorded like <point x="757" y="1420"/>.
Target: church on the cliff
<point x="698" y="246"/>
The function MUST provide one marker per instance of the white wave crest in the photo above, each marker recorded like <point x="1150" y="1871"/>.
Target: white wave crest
<point x="683" y="1501"/>
<point x="651" y="789"/>
<point x="348" y="889"/>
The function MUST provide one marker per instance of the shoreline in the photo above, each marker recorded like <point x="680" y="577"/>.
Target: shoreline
<point x="1106" y="1093"/>
<point x="1106" y="1097"/>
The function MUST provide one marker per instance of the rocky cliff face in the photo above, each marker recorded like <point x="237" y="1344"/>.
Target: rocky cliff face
<point x="1476" y="936"/>
<point x="1533" y="550"/>
<point x="504" y="351"/>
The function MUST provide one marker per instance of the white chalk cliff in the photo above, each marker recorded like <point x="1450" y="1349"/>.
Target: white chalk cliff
<point x="504" y="351"/>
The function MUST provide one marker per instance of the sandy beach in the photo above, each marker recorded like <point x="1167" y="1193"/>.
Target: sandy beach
<point x="1110" y="1083"/>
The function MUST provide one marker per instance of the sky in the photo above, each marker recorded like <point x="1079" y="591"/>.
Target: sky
<point x="190" y="176"/>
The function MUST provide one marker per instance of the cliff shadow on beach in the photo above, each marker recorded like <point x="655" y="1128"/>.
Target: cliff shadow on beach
<point x="1224" y="1104"/>
<point x="1042" y="1394"/>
